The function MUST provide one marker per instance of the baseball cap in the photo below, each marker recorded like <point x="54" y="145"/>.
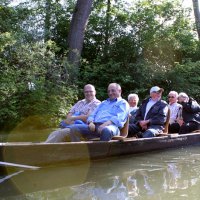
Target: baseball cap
<point x="156" y="89"/>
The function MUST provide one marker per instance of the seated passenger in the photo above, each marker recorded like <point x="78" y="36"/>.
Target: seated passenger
<point x="190" y="114"/>
<point x="151" y="116"/>
<point x="175" y="112"/>
<point x="106" y="120"/>
<point x="77" y="115"/>
<point x="133" y="100"/>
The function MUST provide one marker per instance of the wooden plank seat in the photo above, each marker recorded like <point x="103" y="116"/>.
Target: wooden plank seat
<point x="123" y="132"/>
<point x="166" y="128"/>
<point x="196" y="131"/>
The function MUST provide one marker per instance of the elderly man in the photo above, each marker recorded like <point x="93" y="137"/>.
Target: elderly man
<point x="77" y="115"/>
<point x="106" y="120"/>
<point x="151" y="116"/>
<point x="175" y="112"/>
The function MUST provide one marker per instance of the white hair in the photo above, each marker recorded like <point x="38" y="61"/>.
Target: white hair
<point x="183" y="95"/>
<point x="174" y="93"/>
<point x="133" y="95"/>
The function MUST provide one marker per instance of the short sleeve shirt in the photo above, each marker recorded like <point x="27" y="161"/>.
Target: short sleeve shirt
<point x="84" y="107"/>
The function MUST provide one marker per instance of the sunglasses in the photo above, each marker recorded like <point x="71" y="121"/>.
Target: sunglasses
<point x="171" y="97"/>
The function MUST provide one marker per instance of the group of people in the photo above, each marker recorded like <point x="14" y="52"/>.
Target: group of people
<point x="89" y="118"/>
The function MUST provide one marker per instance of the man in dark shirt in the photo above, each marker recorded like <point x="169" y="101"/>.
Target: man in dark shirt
<point x="190" y="114"/>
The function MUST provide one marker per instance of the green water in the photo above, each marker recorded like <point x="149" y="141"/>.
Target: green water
<point x="171" y="174"/>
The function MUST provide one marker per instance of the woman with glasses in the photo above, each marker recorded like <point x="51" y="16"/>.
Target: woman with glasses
<point x="175" y="112"/>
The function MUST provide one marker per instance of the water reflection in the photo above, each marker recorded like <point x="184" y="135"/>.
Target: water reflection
<point x="157" y="175"/>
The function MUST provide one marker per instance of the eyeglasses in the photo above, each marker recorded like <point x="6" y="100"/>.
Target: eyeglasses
<point x="156" y="92"/>
<point x="112" y="90"/>
<point x="171" y="97"/>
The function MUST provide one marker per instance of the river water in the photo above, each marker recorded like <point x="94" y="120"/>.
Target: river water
<point x="169" y="174"/>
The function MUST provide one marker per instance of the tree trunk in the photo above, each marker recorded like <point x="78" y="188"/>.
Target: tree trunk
<point x="197" y="16"/>
<point x="76" y="35"/>
<point x="107" y="28"/>
<point x="47" y="20"/>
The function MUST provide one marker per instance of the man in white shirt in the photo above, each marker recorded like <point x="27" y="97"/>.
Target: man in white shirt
<point x="151" y="116"/>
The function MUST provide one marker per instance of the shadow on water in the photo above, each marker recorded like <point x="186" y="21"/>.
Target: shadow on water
<point x="167" y="174"/>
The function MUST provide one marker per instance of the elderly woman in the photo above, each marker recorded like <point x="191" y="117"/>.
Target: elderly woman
<point x="133" y="100"/>
<point x="190" y="114"/>
<point x="175" y="112"/>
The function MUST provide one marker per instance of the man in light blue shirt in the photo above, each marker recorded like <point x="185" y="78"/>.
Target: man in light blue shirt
<point x="106" y="120"/>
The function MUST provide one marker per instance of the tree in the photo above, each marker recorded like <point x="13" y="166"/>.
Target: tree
<point x="197" y="16"/>
<point x="77" y="32"/>
<point x="107" y="28"/>
<point x="47" y="20"/>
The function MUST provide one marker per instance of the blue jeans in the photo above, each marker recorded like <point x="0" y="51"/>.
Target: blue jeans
<point x="78" y="130"/>
<point x="152" y="131"/>
<point x="63" y="124"/>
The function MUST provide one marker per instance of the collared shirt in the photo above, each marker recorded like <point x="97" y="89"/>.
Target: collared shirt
<point x="83" y="107"/>
<point x="114" y="110"/>
<point x="149" y="105"/>
<point x="174" y="111"/>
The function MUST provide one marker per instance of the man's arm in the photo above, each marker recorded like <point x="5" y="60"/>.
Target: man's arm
<point x="121" y="114"/>
<point x="160" y="117"/>
<point x="191" y="107"/>
<point x="71" y="117"/>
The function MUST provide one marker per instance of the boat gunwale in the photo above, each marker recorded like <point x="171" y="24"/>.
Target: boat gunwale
<point x="99" y="142"/>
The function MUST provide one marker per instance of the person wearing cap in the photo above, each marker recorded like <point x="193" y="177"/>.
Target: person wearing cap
<point x="133" y="100"/>
<point x="151" y="116"/>
<point x="190" y="114"/>
<point x="78" y="114"/>
<point x="175" y="112"/>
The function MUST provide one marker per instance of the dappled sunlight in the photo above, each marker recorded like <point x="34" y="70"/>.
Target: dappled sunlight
<point x="31" y="129"/>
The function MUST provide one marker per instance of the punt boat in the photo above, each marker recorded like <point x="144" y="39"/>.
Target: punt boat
<point x="41" y="154"/>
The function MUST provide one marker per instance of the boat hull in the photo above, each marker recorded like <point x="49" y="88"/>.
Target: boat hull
<point x="40" y="154"/>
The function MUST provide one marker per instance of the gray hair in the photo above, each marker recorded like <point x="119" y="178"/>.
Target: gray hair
<point x="116" y="85"/>
<point x="174" y="93"/>
<point x="183" y="95"/>
<point x="92" y="86"/>
<point x="133" y="95"/>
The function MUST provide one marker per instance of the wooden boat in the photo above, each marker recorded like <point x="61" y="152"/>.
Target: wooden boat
<point x="40" y="154"/>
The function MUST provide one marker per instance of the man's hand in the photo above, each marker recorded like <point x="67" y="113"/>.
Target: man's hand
<point x="91" y="126"/>
<point x="180" y="122"/>
<point x="104" y="125"/>
<point x="144" y="124"/>
<point x="69" y="120"/>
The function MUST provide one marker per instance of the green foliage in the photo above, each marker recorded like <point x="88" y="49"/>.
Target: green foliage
<point x="150" y="42"/>
<point x="132" y="77"/>
<point x="49" y="97"/>
<point x="186" y="78"/>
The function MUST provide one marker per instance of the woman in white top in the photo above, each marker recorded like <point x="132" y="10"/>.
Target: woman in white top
<point x="175" y="112"/>
<point x="133" y="100"/>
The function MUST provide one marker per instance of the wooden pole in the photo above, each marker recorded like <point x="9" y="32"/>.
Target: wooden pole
<point x="18" y="165"/>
